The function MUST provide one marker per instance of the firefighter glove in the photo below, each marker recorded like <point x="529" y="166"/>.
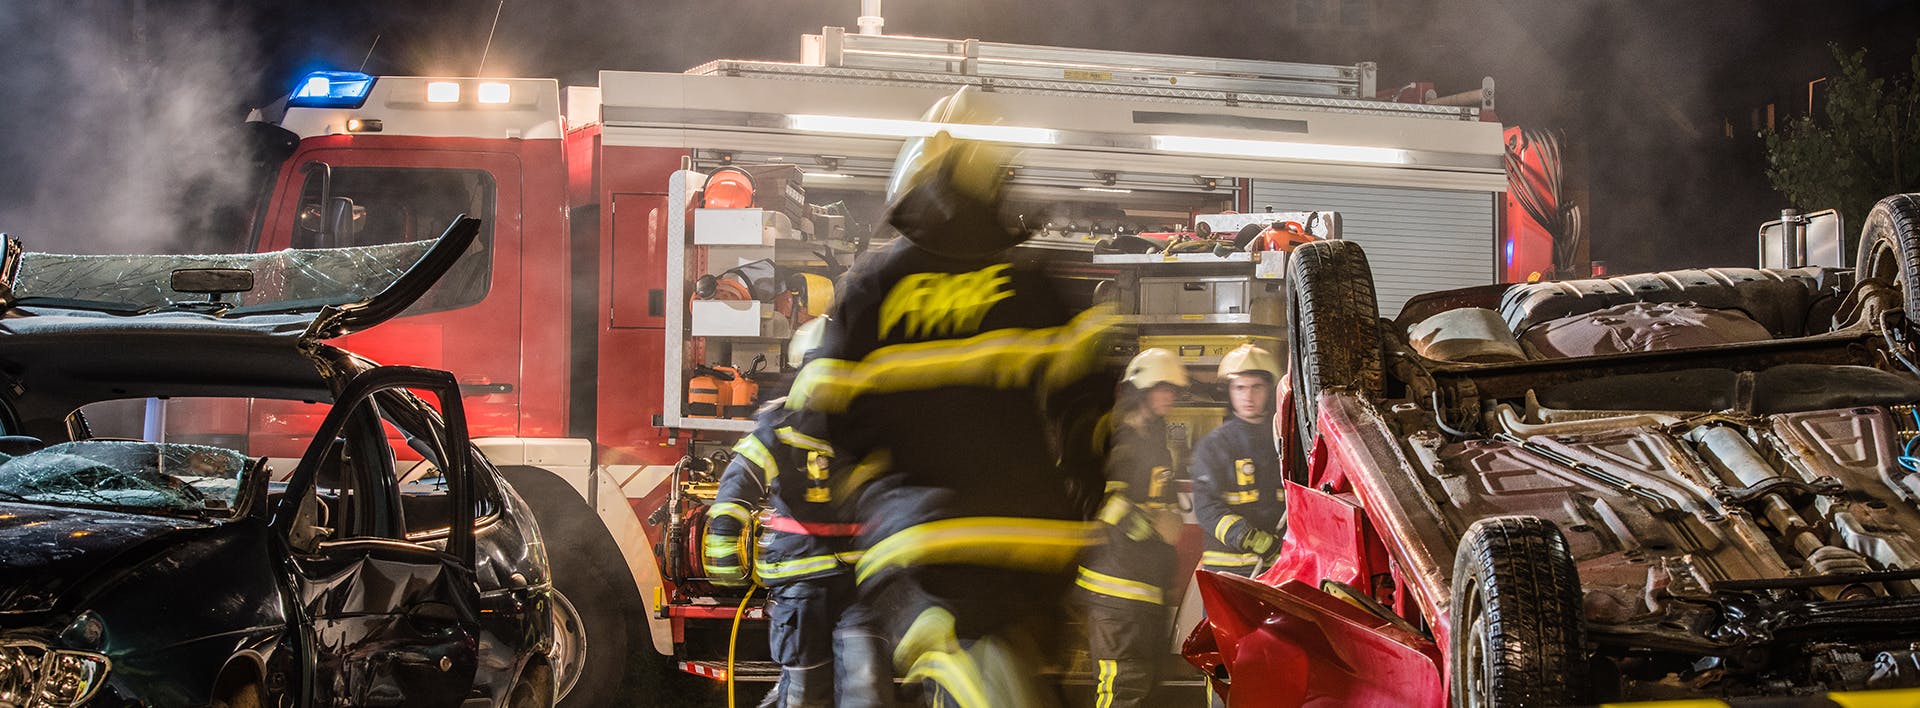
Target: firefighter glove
<point x="1261" y="543"/>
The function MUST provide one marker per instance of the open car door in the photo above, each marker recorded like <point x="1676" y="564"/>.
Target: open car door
<point x="394" y="620"/>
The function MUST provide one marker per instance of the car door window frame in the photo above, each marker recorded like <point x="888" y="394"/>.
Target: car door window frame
<point x="359" y="392"/>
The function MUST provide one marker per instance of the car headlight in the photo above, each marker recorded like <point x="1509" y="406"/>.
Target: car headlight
<point x="34" y="676"/>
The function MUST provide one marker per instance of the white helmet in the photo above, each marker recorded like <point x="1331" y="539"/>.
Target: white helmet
<point x="805" y="339"/>
<point x="1155" y="366"/>
<point x="1249" y="359"/>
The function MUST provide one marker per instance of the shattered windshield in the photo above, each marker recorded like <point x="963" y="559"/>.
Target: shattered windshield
<point x="306" y="277"/>
<point x="127" y="475"/>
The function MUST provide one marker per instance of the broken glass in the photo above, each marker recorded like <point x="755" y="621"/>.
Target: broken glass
<point x="167" y="477"/>
<point x="296" y="275"/>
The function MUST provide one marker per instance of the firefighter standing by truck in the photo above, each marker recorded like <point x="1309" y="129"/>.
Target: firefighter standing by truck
<point x="805" y="548"/>
<point x="1123" y="581"/>
<point x="979" y="385"/>
<point x="1237" y="494"/>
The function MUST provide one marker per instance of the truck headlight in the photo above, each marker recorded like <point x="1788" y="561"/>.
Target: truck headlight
<point x="34" y="676"/>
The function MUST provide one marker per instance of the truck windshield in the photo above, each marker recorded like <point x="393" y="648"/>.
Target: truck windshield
<point x="379" y="206"/>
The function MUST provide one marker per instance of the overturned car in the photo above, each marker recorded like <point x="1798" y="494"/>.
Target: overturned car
<point x="1666" y="485"/>
<point x="157" y="549"/>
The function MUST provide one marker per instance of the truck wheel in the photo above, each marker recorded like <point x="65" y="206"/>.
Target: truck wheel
<point x="603" y="649"/>
<point x="1890" y="248"/>
<point x="1517" y="637"/>
<point x="1333" y="330"/>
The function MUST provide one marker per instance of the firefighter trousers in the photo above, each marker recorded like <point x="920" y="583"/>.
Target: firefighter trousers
<point x="966" y="636"/>
<point x="801" y="616"/>
<point x="1126" y="641"/>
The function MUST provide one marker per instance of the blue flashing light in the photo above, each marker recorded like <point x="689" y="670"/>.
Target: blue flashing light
<point x="331" y="89"/>
<point x="1509" y="252"/>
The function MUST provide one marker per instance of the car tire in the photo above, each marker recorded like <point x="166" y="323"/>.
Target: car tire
<point x="1333" y="331"/>
<point x="1517" y="636"/>
<point x="241" y="695"/>
<point x="619" y="667"/>
<point x="1890" y="248"/>
<point x="534" y="689"/>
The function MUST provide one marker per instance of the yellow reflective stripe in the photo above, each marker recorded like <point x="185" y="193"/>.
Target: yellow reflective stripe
<point x="802" y="440"/>
<point x="756" y="452"/>
<point x="1683" y="703"/>
<point x="1004" y="358"/>
<point x="731" y="510"/>
<point x="1890" y="698"/>
<point x="1225" y="525"/>
<point x="1122" y="588"/>
<point x="1229" y="559"/>
<point x="1244" y="497"/>
<point x="781" y="570"/>
<point x="1117" y="486"/>
<point x="955" y="674"/>
<point x="1115" y="510"/>
<point x="1103" y="691"/>
<point x="1003" y="542"/>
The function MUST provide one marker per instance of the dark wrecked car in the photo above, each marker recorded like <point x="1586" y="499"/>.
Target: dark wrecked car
<point x="150" y="553"/>
<point x="1681" y="484"/>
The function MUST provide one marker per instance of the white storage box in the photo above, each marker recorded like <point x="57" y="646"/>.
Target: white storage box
<point x="726" y="318"/>
<point x="739" y="227"/>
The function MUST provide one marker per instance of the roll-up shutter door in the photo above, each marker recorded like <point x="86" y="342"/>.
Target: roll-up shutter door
<point x="1417" y="240"/>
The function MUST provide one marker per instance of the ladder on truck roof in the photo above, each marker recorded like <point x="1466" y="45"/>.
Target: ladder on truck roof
<point x="837" y="56"/>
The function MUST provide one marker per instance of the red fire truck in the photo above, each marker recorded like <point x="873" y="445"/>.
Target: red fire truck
<point x="579" y="319"/>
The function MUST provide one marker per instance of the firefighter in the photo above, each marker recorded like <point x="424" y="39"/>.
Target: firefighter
<point x="1123" y="582"/>
<point x="804" y="551"/>
<point x="1237" y="495"/>
<point x="968" y="389"/>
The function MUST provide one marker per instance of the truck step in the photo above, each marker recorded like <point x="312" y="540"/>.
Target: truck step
<point x="750" y="671"/>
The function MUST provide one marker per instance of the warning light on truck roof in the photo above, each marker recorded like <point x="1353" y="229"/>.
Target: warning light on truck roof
<point x="443" y="92"/>
<point x="493" y="92"/>
<point x="331" y="89"/>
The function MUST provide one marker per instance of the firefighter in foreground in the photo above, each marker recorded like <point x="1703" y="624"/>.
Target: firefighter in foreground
<point x="804" y="550"/>
<point x="979" y="386"/>
<point x="1123" y="581"/>
<point x="1237" y="494"/>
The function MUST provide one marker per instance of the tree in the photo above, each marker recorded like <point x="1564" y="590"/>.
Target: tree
<point x="1867" y="147"/>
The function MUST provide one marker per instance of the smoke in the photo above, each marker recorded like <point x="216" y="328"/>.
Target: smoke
<point x="119" y="117"/>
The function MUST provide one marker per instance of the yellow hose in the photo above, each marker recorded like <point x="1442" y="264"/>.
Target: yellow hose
<point x="734" y="637"/>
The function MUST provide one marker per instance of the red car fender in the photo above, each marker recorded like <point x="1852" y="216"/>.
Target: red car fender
<point x="1327" y="539"/>
<point x="1292" y="645"/>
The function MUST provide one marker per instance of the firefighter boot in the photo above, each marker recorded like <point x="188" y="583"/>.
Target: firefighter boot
<point x="865" y="676"/>
<point x="802" y="687"/>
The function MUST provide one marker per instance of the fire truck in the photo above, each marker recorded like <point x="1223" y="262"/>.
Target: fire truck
<point x="604" y="308"/>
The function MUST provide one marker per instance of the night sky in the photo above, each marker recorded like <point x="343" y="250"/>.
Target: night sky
<point x="113" y="109"/>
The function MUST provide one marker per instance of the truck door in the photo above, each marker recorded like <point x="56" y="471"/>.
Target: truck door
<point x="470" y="321"/>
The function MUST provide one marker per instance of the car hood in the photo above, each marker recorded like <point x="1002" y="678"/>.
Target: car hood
<point x="49" y="551"/>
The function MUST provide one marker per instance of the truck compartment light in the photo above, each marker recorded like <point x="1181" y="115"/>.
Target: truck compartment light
<point x="493" y="92"/>
<point x="331" y="89"/>
<point x="443" y="92"/>
<point x="1286" y="151"/>
<point x="364" y="125"/>
<point x="889" y="127"/>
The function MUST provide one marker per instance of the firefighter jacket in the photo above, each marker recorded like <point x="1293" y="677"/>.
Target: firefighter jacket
<point x="1237" y="493"/>
<point x="783" y="468"/>
<point x="1134" y="562"/>
<point x="979" y="387"/>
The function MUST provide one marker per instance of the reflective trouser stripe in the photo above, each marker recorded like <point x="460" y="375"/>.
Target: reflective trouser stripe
<point x="1122" y="588"/>
<point x="1103" y="691"/>
<point x="1224" y="527"/>
<point x="954" y="674"/>
<point x="993" y="541"/>
<point x="1236" y="560"/>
